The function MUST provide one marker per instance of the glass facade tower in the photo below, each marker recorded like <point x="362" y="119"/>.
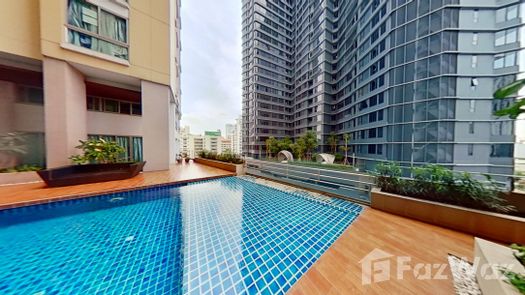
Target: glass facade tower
<point x="411" y="81"/>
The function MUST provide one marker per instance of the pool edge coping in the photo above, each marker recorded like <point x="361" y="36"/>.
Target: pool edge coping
<point x="111" y="191"/>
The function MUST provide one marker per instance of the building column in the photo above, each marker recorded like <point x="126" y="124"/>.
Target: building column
<point x="155" y="120"/>
<point x="65" y="111"/>
<point x="7" y="110"/>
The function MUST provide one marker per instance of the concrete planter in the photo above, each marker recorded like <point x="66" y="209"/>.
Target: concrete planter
<point x="494" y="226"/>
<point x="238" y="169"/>
<point x="18" y="177"/>
<point x="490" y="257"/>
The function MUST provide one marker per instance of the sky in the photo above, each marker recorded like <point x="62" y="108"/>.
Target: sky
<point x="211" y="63"/>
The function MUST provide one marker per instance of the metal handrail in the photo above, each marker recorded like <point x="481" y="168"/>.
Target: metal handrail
<point x="316" y="176"/>
<point x="326" y="176"/>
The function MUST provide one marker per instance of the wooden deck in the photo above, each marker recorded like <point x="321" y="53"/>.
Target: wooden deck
<point x="338" y="271"/>
<point x="36" y="193"/>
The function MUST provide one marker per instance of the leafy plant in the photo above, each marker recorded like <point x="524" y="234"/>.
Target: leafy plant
<point x="388" y="177"/>
<point x="338" y="158"/>
<point x="21" y="168"/>
<point x="515" y="279"/>
<point x="284" y="144"/>
<point x="519" y="253"/>
<point x="436" y="183"/>
<point x="344" y="148"/>
<point x="227" y="157"/>
<point x="310" y="143"/>
<point x="332" y="142"/>
<point x="98" y="151"/>
<point x="507" y="91"/>
<point x="272" y="147"/>
<point x="298" y="148"/>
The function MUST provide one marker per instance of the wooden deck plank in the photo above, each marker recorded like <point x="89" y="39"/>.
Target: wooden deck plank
<point x="338" y="271"/>
<point x="35" y="193"/>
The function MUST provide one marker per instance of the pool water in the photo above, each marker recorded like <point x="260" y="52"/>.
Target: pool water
<point x="225" y="236"/>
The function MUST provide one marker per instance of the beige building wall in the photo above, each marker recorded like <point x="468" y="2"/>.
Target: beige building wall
<point x="20" y="23"/>
<point x="114" y="124"/>
<point x="155" y="115"/>
<point x="34" y="34"/>
<point x="65" y="111"/>
<point x="148" y="31"/>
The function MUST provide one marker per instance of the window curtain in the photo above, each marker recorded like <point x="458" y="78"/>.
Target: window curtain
<point x="113" y="27"/>
<point x="82" y="15"/>
<point x="137" y="149"/>
<point x="124" y="142"/>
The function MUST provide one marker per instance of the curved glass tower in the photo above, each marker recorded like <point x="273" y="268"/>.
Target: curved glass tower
<point x="411" y="81"/>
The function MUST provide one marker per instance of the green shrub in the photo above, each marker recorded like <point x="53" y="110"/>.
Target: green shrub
<point x="21" y="168"/>
<point x="98" y="151"/>
<point x="224" y="157"/>
<point x="437" y="183"/>
<point x="516" y="279"/>
<point x="520" y="252"/>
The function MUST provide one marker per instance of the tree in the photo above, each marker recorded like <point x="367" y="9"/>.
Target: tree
<point x="298" y="148"/>
<point x="271" y="147"/>
<point x="332" y="142"/>
<point x="310" y="144"/>
<point x="284" y="144"/>
<point x="507" y="91"/>
<point x="98" y="151"/>
<point x="345" y="148"/>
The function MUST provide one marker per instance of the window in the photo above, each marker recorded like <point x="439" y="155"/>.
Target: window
<point x="500" y="38"/>
<point x="506" y="37"/>
<point x="132" y="146"/>
<point x="110" y="106"/>
<point x="93" y="28"/>
<point x="471" y="127"/>
<point x="470" y="149"/>
<point x="30" y="95"/>
<point x="472" y="106"/>
<point x="504" y="60"/>
<point x="475" y="38"/>
<point x="499" y="128"/>
<point x="506" y="13"/>
<point x="474" y="61"/>
<point x="476" y="16"/>
<point x="502" y="150"/>
<point x="100" y="104"/>
<point x="499" y="61"/>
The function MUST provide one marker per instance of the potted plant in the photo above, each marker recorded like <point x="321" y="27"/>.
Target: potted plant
<point x="443" y="197"/>
<point x="100" y="161"/>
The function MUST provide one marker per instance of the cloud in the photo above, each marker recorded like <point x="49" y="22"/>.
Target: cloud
<point x="211" y="63"/>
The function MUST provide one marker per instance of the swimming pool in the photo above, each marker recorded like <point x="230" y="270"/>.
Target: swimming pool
<point x="222" y="236"/>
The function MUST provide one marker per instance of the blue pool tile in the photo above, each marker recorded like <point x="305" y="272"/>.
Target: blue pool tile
<point x="226" y="236"/>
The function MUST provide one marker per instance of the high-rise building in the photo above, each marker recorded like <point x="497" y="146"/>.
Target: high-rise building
<point x="77" y="69"/>
<point x="233" y="132"/>
<point x="411" y="81"/>
<point x="211" y="141"/>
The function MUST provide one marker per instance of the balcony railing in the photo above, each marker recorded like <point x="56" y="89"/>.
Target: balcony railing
<point x="350" y="185"/>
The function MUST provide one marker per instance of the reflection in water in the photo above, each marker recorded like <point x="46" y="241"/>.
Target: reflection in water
<point x="212" y="225"/>
<point x="242" y="237"/>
